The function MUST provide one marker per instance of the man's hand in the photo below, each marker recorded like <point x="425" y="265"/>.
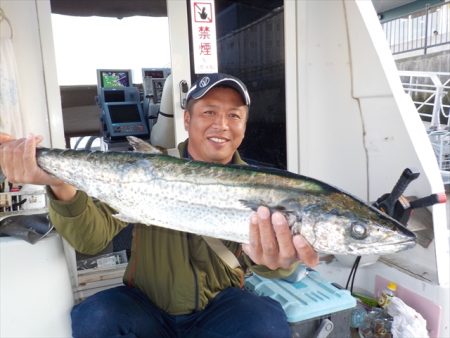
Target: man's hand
<point x="272" y="244"/>
<point x="18" y="164"/>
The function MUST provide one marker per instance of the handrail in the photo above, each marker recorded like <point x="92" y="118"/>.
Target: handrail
<point x="420" y="30"/>
<point x="440" y="141"/>
<point x="429" y="89"/>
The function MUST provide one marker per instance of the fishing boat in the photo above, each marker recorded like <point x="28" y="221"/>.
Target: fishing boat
<point x="328" y="102"/>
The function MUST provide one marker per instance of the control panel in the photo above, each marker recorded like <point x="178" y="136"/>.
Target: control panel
<point x="122" y="112"/>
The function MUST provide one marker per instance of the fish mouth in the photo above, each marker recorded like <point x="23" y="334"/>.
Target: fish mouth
<point x="378" y="248"/>
<point x="407" y="243"/>
<point x="404" y="231"/>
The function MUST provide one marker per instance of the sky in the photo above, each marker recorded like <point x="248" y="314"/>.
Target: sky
<point x="85" y="44"/>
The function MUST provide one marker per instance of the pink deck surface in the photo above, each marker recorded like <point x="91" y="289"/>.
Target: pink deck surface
<point x="430" y="311"/>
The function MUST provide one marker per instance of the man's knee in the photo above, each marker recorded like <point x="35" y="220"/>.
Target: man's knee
<point x="99" y="315"/>
<point x="252" y="315"/>
<point x="92" y="311"/>
<point x="88" y="318"/>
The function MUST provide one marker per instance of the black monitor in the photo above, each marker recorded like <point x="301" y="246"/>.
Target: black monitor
<point x="124" y="113"/>
<point x="123" y="119"/>
<point x="111" y="95"/>
<point x="155" y="73"/>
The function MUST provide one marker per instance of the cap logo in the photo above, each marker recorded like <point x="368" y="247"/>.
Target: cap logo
<point x="204" y="82"/>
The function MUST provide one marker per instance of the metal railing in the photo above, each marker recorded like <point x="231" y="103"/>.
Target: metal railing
<point x="430" y="92"/>
<point x="419" y="30"/>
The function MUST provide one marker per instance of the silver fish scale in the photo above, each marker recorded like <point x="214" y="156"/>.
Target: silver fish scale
<point x="188" y="206"/>
<point x="160" y="199"/>
<point x="217" y="201"/>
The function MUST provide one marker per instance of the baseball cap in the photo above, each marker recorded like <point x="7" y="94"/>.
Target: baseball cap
<point x="207" y="82"/>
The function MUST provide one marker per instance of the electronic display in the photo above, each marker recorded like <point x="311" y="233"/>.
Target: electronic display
<point x="114" y="95"/>
<point x="153" y="82"/>
<point x="121" y="119"/>
<point x="115" y="78"/>
<point x="154" y="73"/>
<point x="124" y="113"/>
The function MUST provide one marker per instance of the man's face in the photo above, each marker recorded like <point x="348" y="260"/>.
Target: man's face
<point x="216" y="125"/>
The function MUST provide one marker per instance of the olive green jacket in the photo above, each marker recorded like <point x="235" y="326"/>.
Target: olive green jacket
<point x="178" y="271"/>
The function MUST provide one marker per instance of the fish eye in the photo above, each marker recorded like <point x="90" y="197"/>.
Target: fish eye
<point x="358" y="230"/>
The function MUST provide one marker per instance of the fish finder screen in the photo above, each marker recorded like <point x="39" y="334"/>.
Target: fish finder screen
<point x="124" y="113"/>
<point x="115" y="79"/>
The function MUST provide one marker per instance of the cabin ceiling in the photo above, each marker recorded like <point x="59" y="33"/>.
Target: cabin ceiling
<point x="156" y="8"/>
<point x="109" y="8"/>
<point x="125" y="8"/>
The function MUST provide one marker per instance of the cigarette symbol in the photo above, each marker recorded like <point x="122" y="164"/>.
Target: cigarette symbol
<point x="203" y="12"/>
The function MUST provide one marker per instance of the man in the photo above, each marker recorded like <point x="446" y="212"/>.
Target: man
<point x="175" y="283"/>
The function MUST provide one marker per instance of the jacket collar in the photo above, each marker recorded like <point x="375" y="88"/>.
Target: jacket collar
<point x="183" y="146"/>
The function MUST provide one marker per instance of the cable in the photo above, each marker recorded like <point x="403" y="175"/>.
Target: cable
<point x="352" y="274"/>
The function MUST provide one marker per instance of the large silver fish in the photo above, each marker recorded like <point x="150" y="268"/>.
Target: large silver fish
<point x="217" y="200"/>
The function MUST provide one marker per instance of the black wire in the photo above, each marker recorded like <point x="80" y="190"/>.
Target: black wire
<point x="356" y="264"/>
<point x="352" y="274"/>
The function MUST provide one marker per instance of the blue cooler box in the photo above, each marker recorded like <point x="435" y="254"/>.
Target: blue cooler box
<point x="309" y="303"/>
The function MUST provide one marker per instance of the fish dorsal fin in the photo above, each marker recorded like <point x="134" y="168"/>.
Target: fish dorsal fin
<point x="142" y="146"/>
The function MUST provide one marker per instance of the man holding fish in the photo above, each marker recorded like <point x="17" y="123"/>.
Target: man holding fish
<point x="176" y="285"/>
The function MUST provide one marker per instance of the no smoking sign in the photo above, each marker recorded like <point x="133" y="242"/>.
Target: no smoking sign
<point x="203" y="12"/>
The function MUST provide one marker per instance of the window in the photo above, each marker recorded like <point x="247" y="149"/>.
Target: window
<point x="84" y="44"/>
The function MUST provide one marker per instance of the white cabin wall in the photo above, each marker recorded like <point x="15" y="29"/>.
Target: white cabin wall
<point x="40" y="98"/>
<point x="396" y="137"/>
<point x="357" y="128"/>
<point x="33" y="47"/>
<point x="329" y="119"/>
<point x="180" y="66"/>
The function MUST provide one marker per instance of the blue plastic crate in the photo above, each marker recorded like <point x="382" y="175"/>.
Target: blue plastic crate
<point x="310" y="297"/>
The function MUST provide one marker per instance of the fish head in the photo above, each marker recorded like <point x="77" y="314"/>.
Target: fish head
<point x="352" y="227"/>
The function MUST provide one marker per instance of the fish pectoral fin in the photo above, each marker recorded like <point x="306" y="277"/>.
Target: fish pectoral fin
<point x="292" y="210"/>
<point x="254" y="204"/>
<point x="125" y="218"/>
<point x="291" y="215"/>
